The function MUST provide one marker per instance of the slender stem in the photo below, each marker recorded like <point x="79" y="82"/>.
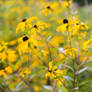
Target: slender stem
<point x="2" y="89"/>
<point x="49" y="52"/>
<point x="26" y="82"/>
<point x="78" y="52"/>
<point x="74" y="73"/>
<point x="54" y="87"/>
<point x="77" y="63"/>
<point x="75" y="77"/>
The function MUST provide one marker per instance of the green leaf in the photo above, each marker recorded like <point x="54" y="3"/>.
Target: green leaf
<point x="59" y="77"/>
<point x="63" y="89"/>
<point x="39" y="54"/>
<point x="82" y="70"/>
<point x="18" y="87"/>
<point x="36" y="72"/>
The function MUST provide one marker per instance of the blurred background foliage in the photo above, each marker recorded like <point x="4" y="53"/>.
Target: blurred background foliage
<point x="82" y="2"/>
<point x="12" y="12"/>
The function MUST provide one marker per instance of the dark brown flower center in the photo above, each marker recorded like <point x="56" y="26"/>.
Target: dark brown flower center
<point x="50" y="71"/>
<point x="35" y="47"/>
<point x="25" y="38"/>
<point x="48" y="7"/>
<point x="35" y="26"/>
<point x="24" y="20"/>
<point x="65" y="21"/>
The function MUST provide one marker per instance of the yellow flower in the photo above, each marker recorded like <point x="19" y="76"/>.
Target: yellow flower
<point x="21" y="27"/>
<point x="12" y="56"/>
<point x="86" y="43"/>
<point x="66" y="4"/>
<point x="71" y="52"/>
<point x="30" y="20"/>
<point x="83" y="27"/>
<point x="37" y="88"/>
<point x="61" y="56"/>
<point x="1" y="48"/>
<point x="3" y="45"/>
<point x="56" y="41"/>
<point x="9" y="70"/>
<point x="50" y="66"/>
<point x="23" y="44"/>
<point x="45" y="52"/>
<point x="62" y="28"/>
<point x="50" y="8"/>
<point x="53" y="71"/>
<point x="26" y="23"/>
<point x="38" y="26"/>
<point x="24" y="72"/>
<point x="2" y="73"/>
<point x="3" y="55"/>
<point x="13" y="42"/>
<point x="36" y="62"/>
<point x="27" y="71"/>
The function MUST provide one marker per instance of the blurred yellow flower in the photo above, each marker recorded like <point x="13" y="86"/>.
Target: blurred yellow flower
<point x="9" y="70"/>
<point x="37" y="88"/>
<point x="2" y="73"/>
<point x="53" y="71"/>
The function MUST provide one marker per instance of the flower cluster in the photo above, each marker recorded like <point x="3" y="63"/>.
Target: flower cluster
<point x="49" y="48"/>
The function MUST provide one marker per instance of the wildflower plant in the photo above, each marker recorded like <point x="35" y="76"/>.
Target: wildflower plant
<point x="50" y="51"/>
